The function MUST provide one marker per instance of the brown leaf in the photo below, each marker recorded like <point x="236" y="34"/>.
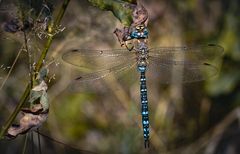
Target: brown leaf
<point x="140" y="16"/>
<point x="32" y="119"/>
<point x="122" y="35"/>
<point x="41" y="87"/>
<point x="35" y="109"/>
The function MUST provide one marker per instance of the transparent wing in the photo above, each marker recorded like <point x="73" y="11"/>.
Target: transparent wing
<point x="103" y="73"/>
<point x="97" y="64"/>
<point x="96" y="60"/>
<point x="185" y="64"/>
<point x="91" y="80"/>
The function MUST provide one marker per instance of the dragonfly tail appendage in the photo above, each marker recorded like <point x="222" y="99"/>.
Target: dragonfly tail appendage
<point x="146" y="143"/>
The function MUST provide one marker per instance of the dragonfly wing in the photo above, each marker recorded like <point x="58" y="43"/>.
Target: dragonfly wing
<point x="185" y="64"/>
<point x="202" y="52"/>
<point x="95" y="60"/>
<point x="91" y="80"/>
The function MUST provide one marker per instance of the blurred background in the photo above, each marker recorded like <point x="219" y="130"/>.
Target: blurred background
<point x="196" y="118"/>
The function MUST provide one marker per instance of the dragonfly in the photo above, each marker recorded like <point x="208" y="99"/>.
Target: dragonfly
<point x="187" y="64"/>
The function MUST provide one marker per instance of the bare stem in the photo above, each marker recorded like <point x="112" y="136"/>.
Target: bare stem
<point x="11" y="69"/>
<point x="29" y="58"/>
<point x="38" y="66"/>
<point x="25" y="144"/>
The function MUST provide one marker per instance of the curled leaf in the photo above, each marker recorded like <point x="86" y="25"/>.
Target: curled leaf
<point x="41" y="87"/>
<point x="139" y="17"/>
<point x="42" y="74"/>
<point x="35" y="109"/>
<point x="44" y="101"/>
<point x="36" y="115"/>
<point x="39" y="95"/>
<point x="122" y="35"/>
<point x="34" y="95"/>
<point x="32" y="119"/>
<point x="121" y="9"/>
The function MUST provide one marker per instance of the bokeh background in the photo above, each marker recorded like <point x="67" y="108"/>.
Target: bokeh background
<point x="197" y="118"/>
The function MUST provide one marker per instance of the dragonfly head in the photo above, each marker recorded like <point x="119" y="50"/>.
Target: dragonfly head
<point x="139" y="32"/>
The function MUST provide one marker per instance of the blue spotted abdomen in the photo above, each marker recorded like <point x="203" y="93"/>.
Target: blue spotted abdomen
<point x="144" y="103"/>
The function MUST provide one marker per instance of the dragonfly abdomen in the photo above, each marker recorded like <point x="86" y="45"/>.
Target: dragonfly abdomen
<point x="144" y="102"/>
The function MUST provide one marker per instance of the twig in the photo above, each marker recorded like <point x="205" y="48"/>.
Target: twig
<point x="29" y="58"/>
<point x="12" y="66"/>
<point x="39" y="142"/>
<point x="64" y="144"/>
<point x="25" y="144"/>
<point x="21" y="8"/>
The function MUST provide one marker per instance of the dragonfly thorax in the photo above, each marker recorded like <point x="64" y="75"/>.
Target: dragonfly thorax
<point x="141" y="49"/>
<point x="138" y="32"/>
<point x="142" y="59"/>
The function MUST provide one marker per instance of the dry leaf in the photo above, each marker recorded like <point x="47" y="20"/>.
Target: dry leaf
<point x="41" y="87"/>
<point x="140" y="17"/>
<point x="32" y="119"/>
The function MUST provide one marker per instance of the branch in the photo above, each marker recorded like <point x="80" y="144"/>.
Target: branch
<point x="38" y="66"/>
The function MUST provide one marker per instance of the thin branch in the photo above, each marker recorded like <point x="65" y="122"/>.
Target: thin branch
<point x="29" y="58"/>
<point x="25" y="144"/>
<point x="23" y="17"/>
<point x="32" y="142"/>
<point x="64" y="144"/>
<point x="12" y="66"/>
<point x="39" y="142"/>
